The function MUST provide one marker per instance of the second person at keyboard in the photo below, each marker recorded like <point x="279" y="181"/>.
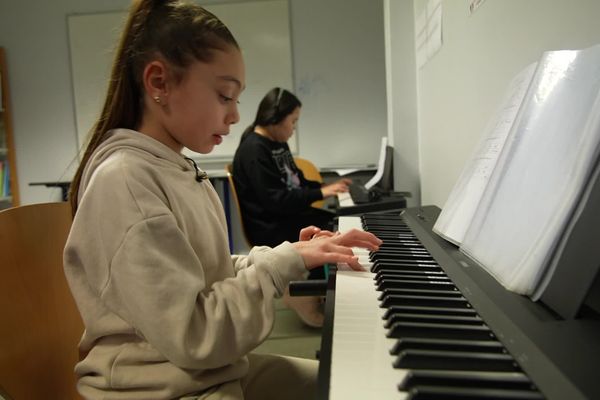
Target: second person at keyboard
<point x="275" y="198"/>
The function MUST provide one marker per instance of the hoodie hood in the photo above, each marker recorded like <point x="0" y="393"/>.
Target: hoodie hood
<point x="151" y="149"/>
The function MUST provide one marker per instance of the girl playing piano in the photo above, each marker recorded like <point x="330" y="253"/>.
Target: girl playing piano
<point x="168" y="312"/>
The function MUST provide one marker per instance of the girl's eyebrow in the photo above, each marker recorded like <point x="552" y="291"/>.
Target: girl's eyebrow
<point x="230" y="78"/>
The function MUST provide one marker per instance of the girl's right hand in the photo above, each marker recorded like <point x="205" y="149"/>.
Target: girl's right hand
<point x="336" y="249"/>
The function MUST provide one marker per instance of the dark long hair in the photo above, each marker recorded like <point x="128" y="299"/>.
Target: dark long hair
<point x="177" y="32"/>
<point x="277" y="104"/>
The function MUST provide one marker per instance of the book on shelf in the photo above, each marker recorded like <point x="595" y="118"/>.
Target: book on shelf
<point x="1" y="98"/>
<point x="523" y="187"/>
<point x="6" y="180"/>
<point x="2" y="178"/>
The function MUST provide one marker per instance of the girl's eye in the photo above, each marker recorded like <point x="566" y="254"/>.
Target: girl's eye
<point x="228" y="99"/>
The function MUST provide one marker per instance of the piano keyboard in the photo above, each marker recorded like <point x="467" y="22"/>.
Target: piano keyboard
<point x="403" y="330"/>
<point x="345" y="200"/>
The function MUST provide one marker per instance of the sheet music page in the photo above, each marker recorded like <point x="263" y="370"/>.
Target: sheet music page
<point x="464" y="198"/>
<point x="541" y="173"/>
<point x="377" y="177"/>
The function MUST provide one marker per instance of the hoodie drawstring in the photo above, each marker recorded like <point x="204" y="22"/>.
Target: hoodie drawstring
<point x="200" y="175"/>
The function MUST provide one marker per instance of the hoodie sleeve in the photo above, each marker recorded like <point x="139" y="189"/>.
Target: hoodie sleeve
<point x="241" y="262"/>
<point x="162" y="292"/>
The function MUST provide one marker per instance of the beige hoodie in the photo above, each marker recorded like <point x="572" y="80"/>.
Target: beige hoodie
<point x="167" y="310"/>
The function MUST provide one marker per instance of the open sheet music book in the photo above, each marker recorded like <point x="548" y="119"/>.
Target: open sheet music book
<point x="510" y="217"/>
<point x="464" y="198"/>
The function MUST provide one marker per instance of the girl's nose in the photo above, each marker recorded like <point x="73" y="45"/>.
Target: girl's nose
<point x="233" y="117"/>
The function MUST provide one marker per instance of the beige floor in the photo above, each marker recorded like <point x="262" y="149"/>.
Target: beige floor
<point x="290" y="336"/>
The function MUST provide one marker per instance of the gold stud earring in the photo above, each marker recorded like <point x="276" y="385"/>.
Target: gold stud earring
<point x="157" y="99"/>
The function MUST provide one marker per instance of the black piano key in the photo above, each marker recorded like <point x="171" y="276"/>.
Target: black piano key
<point x="402" y="254"/>
<point x="390" y="236"/>
<point x="392" y="243"/>
<point x="395" y="263"/>
<point x="391" y="231"/>
<point x="382" y="221"/>
<point x="428" y="310"/>
<point x="406" y="267"/>
<point x="399" y="264"/>
<point x="395" y="256"/>
<point x="433" y="319"/>
<point x="400" y="243"/>
<point x="415" y="271"/>
<point x="466" y="379"/>
<point x="455" y="360"/>
<point x="387" y="228"/>
<point x="430" y="284"/>
<point x="485" y="346"/>
<point x="379" y="220"/>
<point x="371" y="223"/>
<point x="455" y="393"/>
<point x="433" y="281"/>
<point x="384" y="274"/>
<point x="427" y="301"/>
<point x="391" y="239"/>
<point x="386" y="216"/>
<point x="394" y="248"/>
<point x="419" y="292"/>
<point x="439" y="331"/>
<point x="400" y="249"/>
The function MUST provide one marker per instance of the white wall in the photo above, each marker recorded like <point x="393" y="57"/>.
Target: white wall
<point x="36" y="43"/>
<point x="338" y="64"/>
<point x="401" y="96"/>
<point x="339" y="67"/>
<point x="460" y="87"/>
<point x="340" y="76"/>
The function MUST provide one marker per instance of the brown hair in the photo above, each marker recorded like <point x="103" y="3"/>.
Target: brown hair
<point x="277" y="104"/>
<point x="177" y="32"/>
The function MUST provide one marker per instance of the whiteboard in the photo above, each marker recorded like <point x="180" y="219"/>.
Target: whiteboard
<point x="261" y="28"/>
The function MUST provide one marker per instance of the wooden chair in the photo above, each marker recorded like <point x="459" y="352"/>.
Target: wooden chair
<point x="311" y="172"/>
<point x="229" y="169"/>
<point x="40" y="325"/>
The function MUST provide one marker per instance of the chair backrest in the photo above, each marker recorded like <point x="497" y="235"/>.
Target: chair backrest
<point x="311" y="172"/>
<point x="40" y="325"/>
<point x="229" y="169"/>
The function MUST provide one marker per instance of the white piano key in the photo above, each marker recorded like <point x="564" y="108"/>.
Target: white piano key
<point x="347" y="223"/>
<point x="361" y="365"/>
<point x="345" y="200"/>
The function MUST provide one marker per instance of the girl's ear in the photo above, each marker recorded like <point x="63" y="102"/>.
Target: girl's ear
<point x="155" y="81"/>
